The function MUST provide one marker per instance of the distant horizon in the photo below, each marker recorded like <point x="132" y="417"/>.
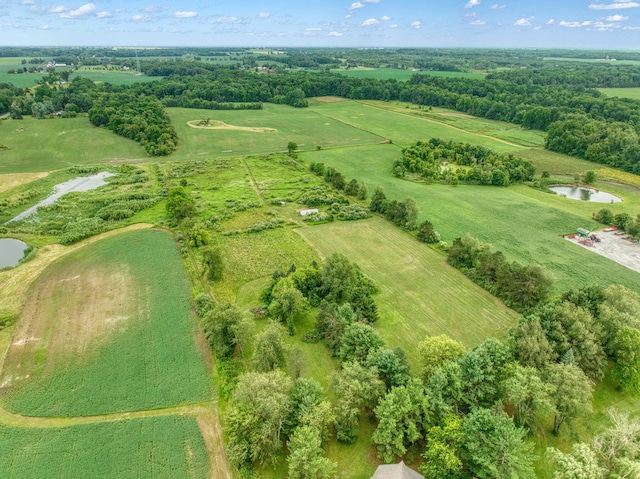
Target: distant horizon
<point x="507" y="24"/>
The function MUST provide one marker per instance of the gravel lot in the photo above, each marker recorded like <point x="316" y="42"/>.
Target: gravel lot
<point x="616" y="247"/>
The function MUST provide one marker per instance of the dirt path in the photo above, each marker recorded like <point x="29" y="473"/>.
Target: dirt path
<point x="499" y="140"/>
<point x="212" y="434"/>
<point x="15" y="420"/>
<point x="254" y="183"/>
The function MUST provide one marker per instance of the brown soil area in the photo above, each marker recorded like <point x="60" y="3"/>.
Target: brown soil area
<point x="9" y="180"/>
<point x="212" y="435"/>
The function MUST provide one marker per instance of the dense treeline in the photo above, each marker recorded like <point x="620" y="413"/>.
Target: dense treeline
<point x="8" y="93"/>
<point x="434" y="159"/>
<point x="589" y="76"/>
<point x="520" y="287"/>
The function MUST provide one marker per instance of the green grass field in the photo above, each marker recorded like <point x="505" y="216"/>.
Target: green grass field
<point x="421" y="295"/>
<point x="303" y="126"/>
<point x="115" y="77"/>
<point x="52" y="144"/>
<point x="111" y="330"/>
<point x="403" y="129"/>
<point x="633" y="93"/>
<point x="402" y="75"/>
<point x="526" y="224"/>
<point x="154" y="448"/>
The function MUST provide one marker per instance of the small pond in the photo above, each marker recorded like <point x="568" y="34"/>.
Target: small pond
<point x="82" y="183"/>
<point x="11" y="251"/>
<point x="585" y="194"/>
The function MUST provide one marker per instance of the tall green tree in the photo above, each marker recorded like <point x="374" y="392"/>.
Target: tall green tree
<point x="442" y="453"/>
<point x="572" y="397"/>
<point x="627" y="359"/>
<point x="269" y="350"/>
<point x="358" y="341"/>
<point x="528" y="395"/>
<point x="434" y="351"/>
<point x="306" y="459"/>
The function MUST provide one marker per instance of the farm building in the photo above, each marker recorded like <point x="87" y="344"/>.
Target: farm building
<point x="396" y="471"/>
<point x="308" y="212"/>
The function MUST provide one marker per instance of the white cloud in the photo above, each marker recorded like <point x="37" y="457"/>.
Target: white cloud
<point x="478" y="22"/>
<point x="385" y="18"/>
<point x="152" y="9"/>
<point x="537" y="28"/>
<point x="264" y="15"/>
<point x="371" y="1"/>
<point x="631" y="28"/>
<point x="185" y="14"/>
<point x="347" y="17"/>
<point x="550" y="22"/>
<point x="83" y="11"/>
<point x="311" y="32"/>
<point x="472" y="3"/>
<point x="334" y="34"/>
<point x="495" y="6"/>
<point x="524" y="22"/>
<point x="416" y="24"/>
<point x="370" y="22"/>
<point x="103" y="15"/>
<point x="616" y="18"/>
<point x="44" y="27"/>
<point x="613" y="6"/>
<point x="56" y="9"/>
<point x="142" y="18"/>
<point x="227" y="20"/>
<point x="28" y="2"/>
<point x="393" y="26"/>
<point x="356" y="5"/>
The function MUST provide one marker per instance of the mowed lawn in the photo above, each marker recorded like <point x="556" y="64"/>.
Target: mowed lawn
<point x="633" y="93"/>
<point x="302" y="126"/>
<point x="525" y="224"/>
<point x="51" y="144"/>
<point x="403" y="129"/>
<point x="108" y="328"/>
<point x="153" y="448"/>
<point x="421" y="295"/>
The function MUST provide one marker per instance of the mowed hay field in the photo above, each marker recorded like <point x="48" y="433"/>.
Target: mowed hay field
<point x="633" y="93"/>
<point x="301" y="125"/>
<point x="525" y="224"/>
<point x="403" y="129"/>
<point x="421" y="295"/>
<point x="108" y="328"/>
<point x="51" y="144"/>
<point x="153" y="448"/>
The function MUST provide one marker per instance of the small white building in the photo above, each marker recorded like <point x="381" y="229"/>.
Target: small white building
<point x="396" y="471"/>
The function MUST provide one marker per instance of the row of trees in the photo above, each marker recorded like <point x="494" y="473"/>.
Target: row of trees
<point x="436" y="160"/>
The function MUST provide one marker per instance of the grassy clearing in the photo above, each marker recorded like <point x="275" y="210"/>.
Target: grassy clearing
<point x="557" y="163"/>
<point x="633" y="93"/>
<point x="526" y="224"/>
<point x="301" y="125"/>
<point x="420" y="294"/>
<point x="167" y="447"/>
<point x="139" y="350"/>
<point x="402" y="75"/>
<point x="113" y="77"/>
<point x="403" y="129"/>
<point x="11" y="180"/>
<point x="492" y="128"/>
<point x="46" y="145"/>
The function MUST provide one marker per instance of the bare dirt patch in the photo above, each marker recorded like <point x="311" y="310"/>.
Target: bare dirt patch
<point x="10" y="180"/>
<point x="67" y="316"/>
<point x="212" y="434"/>
<point x="330" y="99"/>
<point x="220" y="125"/>
<point x="614" y="246"/>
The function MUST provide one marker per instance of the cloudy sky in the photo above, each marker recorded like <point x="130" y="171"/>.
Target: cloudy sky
<point x="364" y="23"/>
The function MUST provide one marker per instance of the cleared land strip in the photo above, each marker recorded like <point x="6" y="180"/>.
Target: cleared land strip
<point x="15" y="420"/>
<point x="431" y="120"/>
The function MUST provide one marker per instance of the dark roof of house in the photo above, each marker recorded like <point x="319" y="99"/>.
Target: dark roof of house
<point x="396" y="471"/>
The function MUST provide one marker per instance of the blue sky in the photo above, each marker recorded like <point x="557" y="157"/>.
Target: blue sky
<point x="325" y="23"/>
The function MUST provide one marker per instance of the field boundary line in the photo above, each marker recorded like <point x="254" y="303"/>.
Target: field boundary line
<point x="254" y="183"/>
<point x="384" y="139"/>
<point x="499" y="140"/>
<point x="8" y="418"/>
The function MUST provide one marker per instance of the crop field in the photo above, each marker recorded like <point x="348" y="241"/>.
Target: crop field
<point x="51" y="144"/>
<point x="525" y="224"/>
<point x="108" y="328"/>
<point x="163" y="447"/>
<point x="403" y="129"/>
<point x="401" y="74"/>
<point x="420" y="294"/>
<point x="633" y="93"/>
<point x="114" y="77"/>
<point x="496" y="129"/>
<point x="303" y="126"/>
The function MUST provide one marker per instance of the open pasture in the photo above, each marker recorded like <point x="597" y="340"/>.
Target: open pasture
<point x="303" y="126"/>
<point x="164" y="447"/>
<point x="499" y="130"/>
<point x="51" y="144"/>
<point x="525" y="224"/>
<point x="421" y="295"/>
<point x="633" y="93"/>
<point x="115" y="77"/>
<point x="108" y="328"/>
<point x="403" y="129"/>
